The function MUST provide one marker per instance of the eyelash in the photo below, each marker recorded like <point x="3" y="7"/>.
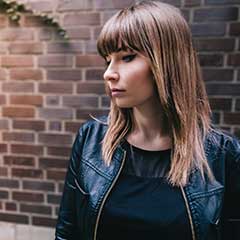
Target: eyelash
<point x="127" y="58"/>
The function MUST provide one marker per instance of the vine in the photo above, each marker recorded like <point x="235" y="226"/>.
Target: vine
<point x="14" y="9"/>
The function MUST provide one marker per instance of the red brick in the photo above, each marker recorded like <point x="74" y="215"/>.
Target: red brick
<point x="16" y="34"/>
<point x="80" y="101"/>
<point x="64" y="75"/>
<point x="3" y="21"/>
<point x="223" y="89"/>
<point x="74" y="5"/>
<point x="97" y="30"/>
<point x="38" y="185"/>
<point x="90" y="47"/>
<point x="45" y="34"/>
<point x="55" y="61"/>
<point x="81" y="19"/>
<point x="79" y="33"/>
<point x="18" y="160"/>
<point x="3" y="171"/>
<point x="3" y="194"/>
<point x="55" y="139"/>
<point x="94" y="74"/>
<point x="221" y="104"/>
<point x="17" y="61"/>
<point x="55" y="126"/>
<point x="211" y="59"/>
<point x="73" y="126"/>
<point x="55" y="113"/>
<point x="35" y="125"/>
<point x="3" y="74"/>
<point x="43" y="221"/>
<point x="234" y="29"/>
<point x="42" y="6"/>
<point x="84" y="114"/>
<point x="14" y="218"/>
<point x="69" y="47"/>
<point x="27" y="173"/>
<point x="18" y="87"/>
<point x="191" y="3"/>
<point x="105" y="102"/>
<point x="18" y="136"/>
<point x="217" y="74"/>
<point x="215" y="44"/>
<point x="33" y="21"/>
<point x="35" y="209"/>
<point x="26" y="149"/>
<point x="59" y="151"/>
<point x="9" y="183"/>
<point x="54" y="198"/>
<point x="27" y="197"/>
<point x="26" y="74"/>
<point x="52" y="100"/>
<point x="18" y="112"/>
<point x="208" y="29"/>
<point x="216" y="14"/>
<point x="56" y="175"/>
<point x="57" y="88"/>
<point x="97" y="88"/>
<point x="10" y="206"/>
<point x="26" y="100"/>
<point x="236" y="132"/>
<point x="2" y="99"/>
<point x="46" y="163"/>
<point x="3" y="147"/>
<point x="231" y="118"/>
<point x="105" y="4"/>
<point x="234" y="59"/>
<point x="4" y="124"/>
<point x="26" y="48"/>
<point x="89" y="61"/>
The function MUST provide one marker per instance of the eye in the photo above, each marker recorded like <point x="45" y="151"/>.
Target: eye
<point x="128" y="58"/>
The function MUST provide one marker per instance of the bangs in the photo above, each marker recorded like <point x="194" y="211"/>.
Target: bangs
<point x="118" y="34"/>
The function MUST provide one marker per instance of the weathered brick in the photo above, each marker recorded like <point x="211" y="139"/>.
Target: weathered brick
<point x="89" y="61"/>
<point x="55" y="113"/>
<point x="17" y="61"/>
<point x="43" y="221"/>
<point x="208" y="29"/>
<point x="94" y="74"/>
<point x="35" y="100"/>
<point x="42" y="6"/>
<point x="18" y="136"/>
<point x="10" y="206"/>
<point x="74" y="5"/>
<point x="3" y="147"/>
<point x="53" y="100"/>
<point x="85" y="113"/>
<point x="90" y="47"/>
<point x="18" y="87"/>
<point x="211" y="59"/>
<point x="27" y="173"/>
<point x="35" y="209"/>
<point x="105" y="4"/>
<point x="216" y="14"/>
<point x="3" y="194"/>
<point x="14" y="218"/>
<point x="64" y="75"/>
<point x="27" y="196"/>
<point x="4" y="124"/>
<point x="35" y="125"/>
<point x="81" y="19"/>
<point x="56" y="175"/>
<point x="231" y="118"/>
<point x="216" y="74"/>
<point x="59" y="151"/>
<point x="234" y="59"/>
<point x="26" y="48"/>
<point x="215" y="89"/>
<point x="18" y="112"/>
<point x="79" y="33"/>
<point x="3" y="21"/>
<point x="3" y="171"/>
<point x="105" y="102"/>
<point x="26" y="74"/>
<point x="97" y="88"/>
<point x="3" y="74"/>
<point x="215" y="44"/>
<point x="19" y="160"/>
<point x="54" y="198"/>
<point x="65" y="47"/>
<point x="33" y="21"/>
<point x="55" y="139"/>
<point x="73" y="126"/>
<point x="96" y="31"/>
<point x="56" y="87"/>
<point x="47" y="163"/>
<point x="38" y="185"/>
<point x="234" y="29"/>
<point x="26" y="149"/>
<point x="80" y="101"/>
<point x="55" y="126"/>
<point x="16" y="34"/>
<point x="221" y="104"/>
<point x="45" y="34"/>
<point x="9" y="183"/>
<point x="2" y="99"/>
<point x="55" y="61"/>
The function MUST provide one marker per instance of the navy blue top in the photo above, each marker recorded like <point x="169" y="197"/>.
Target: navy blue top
<point x="142" y="205"/>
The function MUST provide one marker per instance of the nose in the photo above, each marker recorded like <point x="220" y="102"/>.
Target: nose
<point x="111" y="74"/>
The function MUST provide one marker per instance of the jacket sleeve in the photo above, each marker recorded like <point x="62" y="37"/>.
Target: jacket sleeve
<point x="66" y="228"/>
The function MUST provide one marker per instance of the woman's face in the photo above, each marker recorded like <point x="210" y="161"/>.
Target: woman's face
<point x="129" y="79"/>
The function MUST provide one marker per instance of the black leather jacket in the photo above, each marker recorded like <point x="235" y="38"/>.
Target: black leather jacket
<point x="213" y="207"/>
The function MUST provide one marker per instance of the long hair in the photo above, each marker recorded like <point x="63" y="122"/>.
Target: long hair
<point x="160" y="31"/>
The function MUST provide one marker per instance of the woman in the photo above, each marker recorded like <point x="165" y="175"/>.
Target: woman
<point x="154" y="168"/>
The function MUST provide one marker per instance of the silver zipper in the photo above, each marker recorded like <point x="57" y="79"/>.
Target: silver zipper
<point x="189" y="213"/>
<point x="106" y="195"/>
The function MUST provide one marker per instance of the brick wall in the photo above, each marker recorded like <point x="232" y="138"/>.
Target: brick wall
<point x="50" y="85"/>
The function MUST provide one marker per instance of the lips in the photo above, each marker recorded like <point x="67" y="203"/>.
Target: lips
<point x="116" y="92"/>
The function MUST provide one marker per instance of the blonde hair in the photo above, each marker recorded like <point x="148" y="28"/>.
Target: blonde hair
<point x="160" y="32"/>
